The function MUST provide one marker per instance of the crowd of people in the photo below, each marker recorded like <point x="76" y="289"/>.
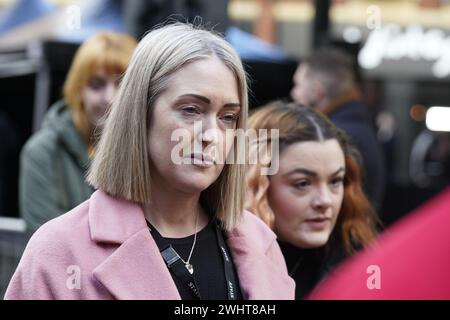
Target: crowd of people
<point x="135" y="182"/>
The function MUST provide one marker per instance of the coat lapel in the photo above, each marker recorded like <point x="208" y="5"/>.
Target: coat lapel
<point x="135" y="270"/>
<point x="259" y="274"/>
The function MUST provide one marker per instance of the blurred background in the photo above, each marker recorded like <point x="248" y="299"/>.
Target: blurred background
<point x="402" y="48"/>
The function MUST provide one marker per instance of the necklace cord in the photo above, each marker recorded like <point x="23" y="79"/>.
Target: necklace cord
<point x="193" y="243"/>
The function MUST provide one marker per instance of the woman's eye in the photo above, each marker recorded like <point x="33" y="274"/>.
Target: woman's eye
<point x="190" y="110"/>
<point x="97" y="83"/>
<point x="230" y="118"/>
<point x="337" y="182"/>
<point x="301" y="184"/>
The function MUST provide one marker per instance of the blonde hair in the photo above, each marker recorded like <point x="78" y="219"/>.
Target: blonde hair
<point x="121" y="164"/>
<point x="356" y="225"/>
<point x="106" y="51"/>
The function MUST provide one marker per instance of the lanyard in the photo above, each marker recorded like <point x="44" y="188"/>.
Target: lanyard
<point x="227" y="265"/>
<point x="178" y="268"/>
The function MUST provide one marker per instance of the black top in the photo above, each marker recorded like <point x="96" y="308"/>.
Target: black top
<point x="309" y="266"/>
<point x="207" y="261"/>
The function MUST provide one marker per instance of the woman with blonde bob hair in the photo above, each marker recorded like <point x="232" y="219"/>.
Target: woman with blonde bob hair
<point x="54" y="161"/>
<point x="314" y="203"/>
<point x="167" y="221"/>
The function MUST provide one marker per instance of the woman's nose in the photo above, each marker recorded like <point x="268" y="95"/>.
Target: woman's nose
<point x="109" y="92"/>
<point x="210" y="133"/>
<point x="211" y="136"/>
<point x="322" y="199"/>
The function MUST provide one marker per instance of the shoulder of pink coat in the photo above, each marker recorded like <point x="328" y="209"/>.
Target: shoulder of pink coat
<point x="254" y="228"/>
<point x="56" y="237"/>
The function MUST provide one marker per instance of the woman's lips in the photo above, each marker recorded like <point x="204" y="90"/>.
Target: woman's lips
<point x="202" y="160"/>
<point x="318" y="223"/>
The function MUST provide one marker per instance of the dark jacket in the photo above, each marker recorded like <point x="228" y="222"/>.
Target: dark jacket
<point x="52" y="168"/>
<point x="308" y="267"/>
<point x="353" y="119"/>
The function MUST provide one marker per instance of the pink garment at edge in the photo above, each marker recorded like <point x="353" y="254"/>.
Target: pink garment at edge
<point x="413" y="258"/>
<point x="107" y="241"/>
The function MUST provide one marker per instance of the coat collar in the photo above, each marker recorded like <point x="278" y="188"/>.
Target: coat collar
<point x="350" y="95"/>
<point x="114" y="220"/>
<point x="59" y="119"/>
<point x="136" y="270"/>
<point x="257" y="261"/>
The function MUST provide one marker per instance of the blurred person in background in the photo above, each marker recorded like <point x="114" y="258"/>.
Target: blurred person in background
<point x="54" y="160"/>
<point x="326" y="81"/>
<point x="167" y="220"/>
<point x="314" y="203"/>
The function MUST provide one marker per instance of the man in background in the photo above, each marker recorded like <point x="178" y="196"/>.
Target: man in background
<point x="326" y="81"/>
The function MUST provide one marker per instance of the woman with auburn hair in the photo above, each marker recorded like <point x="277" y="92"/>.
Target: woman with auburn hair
<point x="54" y="161"/>
<point x="314" y="203"/>
<point x="168" y="219"/>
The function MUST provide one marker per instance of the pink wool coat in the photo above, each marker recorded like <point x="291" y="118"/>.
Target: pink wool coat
<point x="102" y="249"/>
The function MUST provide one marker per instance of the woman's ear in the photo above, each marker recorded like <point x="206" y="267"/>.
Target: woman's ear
<point x="318" y="92"/>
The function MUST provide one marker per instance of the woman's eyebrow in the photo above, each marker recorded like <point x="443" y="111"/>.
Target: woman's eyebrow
<point x="311" y="173"/>
<point x="341" y="169"/>
<point x="195" y="96"/>
<point x="207" y="101"/>
<point x="301" y="170"/>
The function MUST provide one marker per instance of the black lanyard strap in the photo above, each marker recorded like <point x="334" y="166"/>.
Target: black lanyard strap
<point x="228" y="266"/>
<point x="178" y="267"/>
<point x="174" y="262"/>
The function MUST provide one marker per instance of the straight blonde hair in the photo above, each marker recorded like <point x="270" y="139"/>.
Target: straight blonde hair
<point x="121" y="163"/>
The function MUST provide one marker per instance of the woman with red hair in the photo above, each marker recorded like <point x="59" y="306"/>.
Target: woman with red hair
<point x="314" y="202"/>
<point x="54" y="160"/>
